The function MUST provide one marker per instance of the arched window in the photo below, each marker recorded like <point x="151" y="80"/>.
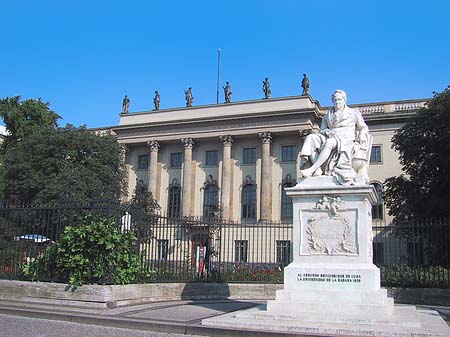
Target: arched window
<point x="249" y="199"/>
<point x="210" y="198"/>
<point x="286" y="202"/>
<point x="377" y="210"/>
<point x="174" y="204"/>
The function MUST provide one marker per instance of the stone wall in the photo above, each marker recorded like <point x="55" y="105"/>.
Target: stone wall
<point x="99" y="296"/>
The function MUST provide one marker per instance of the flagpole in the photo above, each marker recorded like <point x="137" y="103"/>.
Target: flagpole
<point x="218" y="75"/>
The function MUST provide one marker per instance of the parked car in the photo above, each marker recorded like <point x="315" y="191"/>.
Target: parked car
<point x="37" y="238"/>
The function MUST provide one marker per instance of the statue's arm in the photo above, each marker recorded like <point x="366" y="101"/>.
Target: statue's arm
<point x="363" y="129"/>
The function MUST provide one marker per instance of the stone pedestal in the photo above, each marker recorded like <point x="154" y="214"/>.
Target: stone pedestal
<point x="332" y="287"/>
<point x="332" y="272"/>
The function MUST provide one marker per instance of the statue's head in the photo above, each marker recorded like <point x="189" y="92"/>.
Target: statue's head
<point x="339" y="98"/>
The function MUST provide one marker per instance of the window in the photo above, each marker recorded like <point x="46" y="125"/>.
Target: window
<point x="174" y="203"/>
<point x="212" y="158"/>
<point x="286" y="202"/>
<point x="249" y="199"/>
<point x="378" y="253"/>
<point x="240" y="250"/>
<point x="289" y="153"/>
<point x="286" y="205"/>
<point x="375" y="154"/>
<point x="176" y="159"/>
<point x="143" y="162"/>
<point x="249" y="156"/>
<point x="284" y="251"/>
<point x="210" y="198"/>
<point x="163" y="249"/>
<point x="377" y="210"/>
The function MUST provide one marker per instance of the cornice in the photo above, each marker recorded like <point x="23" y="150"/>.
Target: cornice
<point x="287" y="121"/>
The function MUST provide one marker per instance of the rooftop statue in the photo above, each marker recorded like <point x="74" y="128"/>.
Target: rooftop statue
<point x="125" y="104"/>
<point x="305" y="85"/>
<point x="342" y="146"/>
<point x="188" y="96"/>
<point x="227" y="92"/>
<point x="266" y="88"/>
<point x="156" y="100"/>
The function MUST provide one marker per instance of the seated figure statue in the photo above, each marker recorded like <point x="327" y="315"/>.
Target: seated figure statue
<point x="342" y="146"/>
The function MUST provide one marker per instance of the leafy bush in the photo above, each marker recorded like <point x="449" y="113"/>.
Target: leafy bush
<point x="43" y="267"/>
<point x="96" y="252"/>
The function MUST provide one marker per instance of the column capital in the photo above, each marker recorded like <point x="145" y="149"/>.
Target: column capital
<point x="266" y="137"/>
<point x="188" y="143"/>
<point x="226" y="140"/>
<point x="153" y="145"/>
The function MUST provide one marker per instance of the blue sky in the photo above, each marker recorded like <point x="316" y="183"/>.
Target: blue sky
<point x="84" y="56"/>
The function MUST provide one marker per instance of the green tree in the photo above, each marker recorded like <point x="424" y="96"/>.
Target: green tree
<point x="143" y="200"/>
<point x="424" y="148"/>
<point x="23" y="119"/>
<point x="69" y="164"/>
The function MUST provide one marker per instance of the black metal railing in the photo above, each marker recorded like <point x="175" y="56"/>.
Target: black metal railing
<point x="414" y="254"/>
<point x="27" y="230"/>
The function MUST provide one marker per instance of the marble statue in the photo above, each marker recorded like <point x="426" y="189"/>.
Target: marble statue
<point x="266" y="88"/>
<point x="342" y="146"/>
<point x="305" y="85"/>
<point x="125" y="104"/>
<point x="188" y="96"/>
<point x="156" y="100"/>
<point x="227" y="92"/>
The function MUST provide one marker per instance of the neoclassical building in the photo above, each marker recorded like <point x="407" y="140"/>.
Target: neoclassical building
<point x="241" y="155"/>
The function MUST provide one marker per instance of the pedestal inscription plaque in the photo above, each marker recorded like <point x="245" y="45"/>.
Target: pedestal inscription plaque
<point x="328" y="229"/>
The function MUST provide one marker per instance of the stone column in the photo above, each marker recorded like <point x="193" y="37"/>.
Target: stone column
<point x="124" y="150"/>
<point x="225" y="190"/>
<point x="266" y="177"/>
<point x="153" y="146"/>
<point x="187" y="176"/>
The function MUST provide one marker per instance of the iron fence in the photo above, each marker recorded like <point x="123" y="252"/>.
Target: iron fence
<point x="197" y="249"/>
<point x="413" y="253"/>
<point x="26" y="231"/>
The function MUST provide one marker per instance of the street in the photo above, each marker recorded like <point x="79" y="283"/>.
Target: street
<point x="17" y="326"/>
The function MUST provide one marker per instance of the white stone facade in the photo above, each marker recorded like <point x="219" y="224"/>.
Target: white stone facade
<point x="266" y="125"/>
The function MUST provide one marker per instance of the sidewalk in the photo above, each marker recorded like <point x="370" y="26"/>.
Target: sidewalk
<point x="183" y="317"/>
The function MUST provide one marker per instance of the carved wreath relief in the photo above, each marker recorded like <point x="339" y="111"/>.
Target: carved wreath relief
<point x="328" y="229"/>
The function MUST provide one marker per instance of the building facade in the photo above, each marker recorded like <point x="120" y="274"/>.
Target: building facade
<point x="240" y="156"/>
